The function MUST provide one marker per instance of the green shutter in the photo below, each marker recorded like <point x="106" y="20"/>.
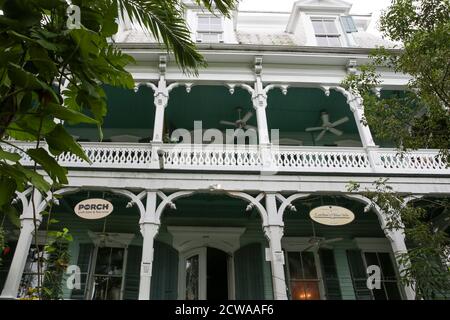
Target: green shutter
<point x="132" y="275"/>
<point x="329" y="274"/>
<point x="84" y="259"/>
<point x="165" y="273"/>
<point x="359" y="275"/>
<point x="248" y="265"/>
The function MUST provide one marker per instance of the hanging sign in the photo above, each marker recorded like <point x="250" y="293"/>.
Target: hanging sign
<point x="332" y="215"/>
<point x="93" y="209"/>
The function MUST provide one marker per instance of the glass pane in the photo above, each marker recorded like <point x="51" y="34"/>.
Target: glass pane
<point x="107" y="288"/>
<point x="318" y="26"/>
<point x="192" y="281"/>
<point x="379" y="294"/>
<point x="334" y="41"/>
<point x="392" y="291"/>
<point x="330" y="27"/>
<point x="387" y="267"/>
<point x="371" y="259"/>
<point x="309" y="265"/>
<point x="305" y="290"/>
<point x="295" y="267"/>
<point x="322" y="41"/>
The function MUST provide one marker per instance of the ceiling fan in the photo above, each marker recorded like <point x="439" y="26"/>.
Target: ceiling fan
<point x="327" y="126"/>
<point x="316" y="243"/>
<point x="241" y="122"/>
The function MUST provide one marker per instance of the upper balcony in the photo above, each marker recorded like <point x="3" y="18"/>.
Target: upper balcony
<point x="199" y="131"/>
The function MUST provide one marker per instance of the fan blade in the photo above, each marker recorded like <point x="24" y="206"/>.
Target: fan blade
<point x="325" y="118"/>
<point x="309" y="247"/>
<point x="247" y="116"/>
<point x="340" y="121"/>
<point x="336" y="131"/>
<point x="332" y="240"/>
<point x="250" y="127"/>
<point x="229" y="123"/>
<point x="320" y="136"/>
<point x="314" y="129"/>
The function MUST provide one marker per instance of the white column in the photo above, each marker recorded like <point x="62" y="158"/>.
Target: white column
<point x="11" y="288"/>
<point x="149" y="230"/>
<point x="397" y="240"/>
<point x="161" y="101"/>
<point x="274" y="232"/>
<point x="259" y="100"/>
<point x="357" y="107"/>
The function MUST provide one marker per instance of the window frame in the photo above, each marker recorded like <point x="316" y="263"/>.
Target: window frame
<point x="204" y="31"/>
<point x="339" y="35"/>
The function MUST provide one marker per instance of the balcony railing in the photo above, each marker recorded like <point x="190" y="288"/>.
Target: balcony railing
<point x="240" y="158"/>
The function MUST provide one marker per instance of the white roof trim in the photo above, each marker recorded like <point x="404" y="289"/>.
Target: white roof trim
<point x="326" y="6"/>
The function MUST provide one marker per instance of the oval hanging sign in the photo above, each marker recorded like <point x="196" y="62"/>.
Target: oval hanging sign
<point x="332" y="215"/>
<point x="93" y="209"/>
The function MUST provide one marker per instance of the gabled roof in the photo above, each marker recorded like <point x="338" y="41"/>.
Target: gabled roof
<point x="326" y="6"/>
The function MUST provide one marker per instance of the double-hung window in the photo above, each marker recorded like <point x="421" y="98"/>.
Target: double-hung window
<point x="209" y="29"/>
<point x="326" y="32"/>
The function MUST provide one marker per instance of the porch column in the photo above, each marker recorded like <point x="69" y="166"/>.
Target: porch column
<point x="149" y="230"/>
<point x="161" y="100"/>
<point x="259" y="100"/>
<point x="11" y="288"/>
<point x="357" y="107"/>
<point x="274" y="232"/>
<point x="397" y="240"/>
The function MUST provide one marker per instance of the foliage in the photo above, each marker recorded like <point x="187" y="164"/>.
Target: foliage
<point x="58" y="257"/>
<point x="418" y="118"/>
<point x="426" y="262"/>
<point x="51" y="74"/>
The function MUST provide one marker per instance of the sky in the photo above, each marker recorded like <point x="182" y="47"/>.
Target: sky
<point x="359" y="7"/>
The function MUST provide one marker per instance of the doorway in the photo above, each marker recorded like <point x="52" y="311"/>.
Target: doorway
<point x="205" y="274"/>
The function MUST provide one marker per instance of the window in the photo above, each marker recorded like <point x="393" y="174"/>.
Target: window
<point x="209" y="29"/>
<point x="326" y="32"/>
<point x="359" y="262"/>
<point x="303" y="278"/>
<point x="108" y="276"/>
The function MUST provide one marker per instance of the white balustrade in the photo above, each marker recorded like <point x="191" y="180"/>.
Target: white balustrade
<point x="138" y="156"/>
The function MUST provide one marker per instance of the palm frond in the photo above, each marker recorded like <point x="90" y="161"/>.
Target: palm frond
<point x="165" y="21"/>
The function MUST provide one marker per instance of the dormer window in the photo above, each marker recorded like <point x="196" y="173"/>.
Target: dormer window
<point x="326" y="32"/>
<point x="209" y="29"/>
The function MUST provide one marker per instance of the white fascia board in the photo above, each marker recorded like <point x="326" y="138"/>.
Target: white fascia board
<point x="302" y="65"/>
<point x="436" y="186"/>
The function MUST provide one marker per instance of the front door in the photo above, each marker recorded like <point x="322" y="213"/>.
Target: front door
<point x="204" y="274"/>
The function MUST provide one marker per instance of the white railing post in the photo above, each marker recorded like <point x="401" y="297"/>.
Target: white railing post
<point x="149" y="230"/>
<point x="11" y="287"/>
<point x="274" y="232"/>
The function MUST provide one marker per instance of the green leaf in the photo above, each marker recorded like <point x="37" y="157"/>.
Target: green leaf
<point x="67" y="114"/>
<point x="59" y="140"/>
<point x="24" y="78"/>
<point x="10" y="156"/>
<point x="7" y="189"/>
<point x="49" y="164"/>
<point x="13" y="216"/>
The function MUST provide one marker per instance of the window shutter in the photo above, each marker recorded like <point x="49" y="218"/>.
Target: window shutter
<point x="248" y="263"/>
<point x="348" y="24"/>
<point x="330" y="277"/>
<point x="165" y="272"/>
<point x="359" y="275"/>
<point x="132" y="275"/>
<point x="84" y="261"/>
